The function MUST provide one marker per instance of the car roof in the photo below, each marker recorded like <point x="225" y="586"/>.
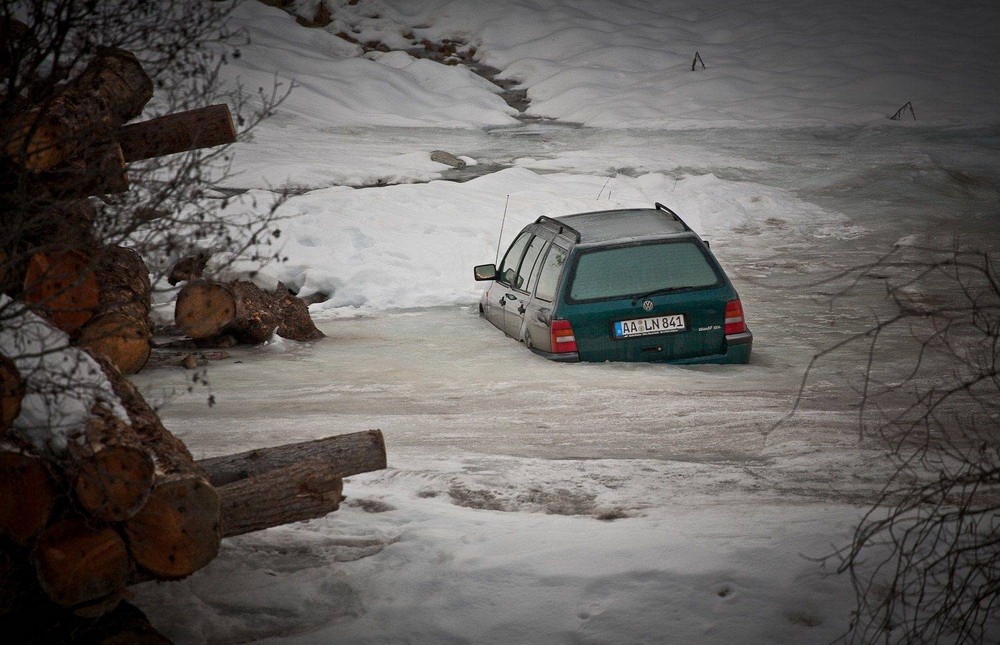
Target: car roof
<point x="621" y="225"/>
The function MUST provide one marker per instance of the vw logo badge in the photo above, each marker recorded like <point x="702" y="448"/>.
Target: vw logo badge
<point x="647" y="305"/>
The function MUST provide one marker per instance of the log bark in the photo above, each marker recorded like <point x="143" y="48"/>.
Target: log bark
<point x="177" y="531"/>
<point x="79" y="563"/>
<point x="62" y="286"/>
<point x="112" y="473"/>
<point x="291" y="483"/>
<point x="11" y="393"/>
<point x="112" y="89"/>
<point x="120" y="328"/>
<point x="295" y="323"/>
<point x="189" y="130"/>
<point x="28" y="494"/>
<point x="303" y="491"/>
<point x="207" y="309"/>
<point x="98" y="169"/>
<point x="188" y="269"/>
<point x="347" y="454"/>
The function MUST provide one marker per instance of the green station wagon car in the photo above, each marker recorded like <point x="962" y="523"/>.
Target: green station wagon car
<point x="618" y="285"/>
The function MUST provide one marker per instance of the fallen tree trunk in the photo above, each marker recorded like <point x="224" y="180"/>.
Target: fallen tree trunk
<point x="189" y="130"/>
<point x="177" y="531"/>
<point x="112" y="89"/>
<point x="350" y="454"/>
<point x="291" y="483"/>
<point x="304" y="491"/>
<point x="120" y="328"/>
<point x="206" y="309"/>
<point x="11" y="393"/>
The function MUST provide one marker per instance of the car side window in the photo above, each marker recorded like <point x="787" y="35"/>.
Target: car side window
<point x="508" y="267"/>
<point x="535" y="272"/>
<point x="552" y="268"/>
<point x="535" y="249"/>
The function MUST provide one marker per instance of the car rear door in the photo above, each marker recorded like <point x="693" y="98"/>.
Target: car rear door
<point x="521" y="287"/>
<point x="538" y="312"/>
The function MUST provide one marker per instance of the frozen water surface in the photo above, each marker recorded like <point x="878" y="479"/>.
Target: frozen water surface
<point x="528" y="501"/>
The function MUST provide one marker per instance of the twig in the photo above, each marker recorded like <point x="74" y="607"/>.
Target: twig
<point x="697" y="59"/>
<point x="610" y="177"/>
<point x="899" y="113"/>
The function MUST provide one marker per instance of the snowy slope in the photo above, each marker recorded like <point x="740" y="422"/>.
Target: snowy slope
<point x="628" y="64"/>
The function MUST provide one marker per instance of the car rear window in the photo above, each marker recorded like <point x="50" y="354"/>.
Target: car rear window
<point x="633" y="270"/>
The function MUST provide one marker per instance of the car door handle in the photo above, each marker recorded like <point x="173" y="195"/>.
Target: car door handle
<point x="510" y="296"/>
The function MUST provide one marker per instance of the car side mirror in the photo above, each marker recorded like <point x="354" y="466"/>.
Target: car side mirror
<point x="485" y="272"/>
<point x="707" y="243"/>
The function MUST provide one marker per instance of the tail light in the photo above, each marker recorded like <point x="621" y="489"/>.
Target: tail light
<point x="734" y="318"/>
<point x="563" y="339"/>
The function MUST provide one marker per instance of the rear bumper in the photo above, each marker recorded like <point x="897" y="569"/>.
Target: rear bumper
<point x="738" y="348"/>
<point x="737" y="352"/>
<point x="564" y="357"/>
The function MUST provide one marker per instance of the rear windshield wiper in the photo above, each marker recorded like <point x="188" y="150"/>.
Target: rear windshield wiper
<point x="655" y="292"/>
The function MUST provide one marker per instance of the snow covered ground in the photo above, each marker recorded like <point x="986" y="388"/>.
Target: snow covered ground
<point x="532" y="502"/>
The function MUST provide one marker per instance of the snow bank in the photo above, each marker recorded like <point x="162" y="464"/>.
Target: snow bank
<point x="415" y="245"/>
<point x="62" y="383"/>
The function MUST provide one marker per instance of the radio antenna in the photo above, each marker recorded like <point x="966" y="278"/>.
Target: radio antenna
<point x="504" y="219"/>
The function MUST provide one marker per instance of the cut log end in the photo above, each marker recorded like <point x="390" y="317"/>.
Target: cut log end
<point x="204" y="309"/>
<point x="79" y="564"/>
<point x="177" y="532"/>
<point x="27" y="496"/>
<point x="120" y="338"/>
<point x="62" y="285"/>
<point x="115" y="483"/>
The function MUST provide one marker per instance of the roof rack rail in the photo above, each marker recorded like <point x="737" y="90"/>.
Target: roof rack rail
<point x="561" y="226"/>
<point x="660" y="207"/>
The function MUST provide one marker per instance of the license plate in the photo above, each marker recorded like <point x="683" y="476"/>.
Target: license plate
<point x="649" y="326"/>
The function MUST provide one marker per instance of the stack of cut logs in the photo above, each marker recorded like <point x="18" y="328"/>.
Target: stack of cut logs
<point x="125" y="502"/>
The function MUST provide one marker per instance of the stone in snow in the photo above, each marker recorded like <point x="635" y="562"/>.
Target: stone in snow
<point x="440" y="156"/>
